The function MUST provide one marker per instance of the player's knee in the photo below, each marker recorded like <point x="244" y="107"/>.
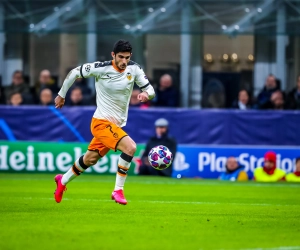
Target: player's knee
<point x="132" y="148"/>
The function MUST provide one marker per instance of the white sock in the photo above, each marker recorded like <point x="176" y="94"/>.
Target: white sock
<point x="74" y="171"/>
<point x="123" y="166"/>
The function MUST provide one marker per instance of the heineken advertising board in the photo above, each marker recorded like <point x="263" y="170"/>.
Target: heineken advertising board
<point x="56" y="157"/>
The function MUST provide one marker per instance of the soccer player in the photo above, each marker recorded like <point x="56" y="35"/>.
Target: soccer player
<point x="114" y="82"/>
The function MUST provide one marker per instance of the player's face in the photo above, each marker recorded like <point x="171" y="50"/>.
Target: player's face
<point x="121" y="59"/>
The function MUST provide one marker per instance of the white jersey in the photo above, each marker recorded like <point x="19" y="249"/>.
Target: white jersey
<point x="113" y="88"/>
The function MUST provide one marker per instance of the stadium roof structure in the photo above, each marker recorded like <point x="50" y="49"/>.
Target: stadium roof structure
<point x="232" y="17"/>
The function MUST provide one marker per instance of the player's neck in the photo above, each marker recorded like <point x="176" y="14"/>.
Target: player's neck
<point x="116" y="67"/>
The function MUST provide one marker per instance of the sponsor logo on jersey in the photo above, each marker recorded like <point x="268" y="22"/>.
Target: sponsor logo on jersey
<point x="129" y="76"/>
<point x="145" y="77"/>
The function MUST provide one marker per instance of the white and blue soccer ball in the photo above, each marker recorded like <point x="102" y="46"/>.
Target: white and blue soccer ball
<point x="160" y="157"/>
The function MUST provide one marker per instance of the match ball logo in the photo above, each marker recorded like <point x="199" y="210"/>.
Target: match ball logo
<point x="129" y="76"/>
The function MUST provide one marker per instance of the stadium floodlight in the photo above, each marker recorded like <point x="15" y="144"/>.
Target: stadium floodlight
<point x="163" y="9"/>
<point x="247" y="10"/>
<point x="150" y="10"/>
<point x="252" y="17"/>
<point x="52" y="21"/>
<point x="149" y="20"/>
<point x="237" y="27"/>
<point x="224" y="27"/>
<point x="259" y="10"/>
<point x="31" y="26"/>
<point x="139" y="27"/>
<point x="127" y="26"/>
<point x="56" y="9"/>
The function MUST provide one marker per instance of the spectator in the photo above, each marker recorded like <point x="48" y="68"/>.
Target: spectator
<point x="264" y="96"/>
<point x="134" y="102"/>
<point x="293" y="98"/>
<point x="166" y="94"/>
<point x="18" y="85"/>
<point x="234" y="172"/>
<point x="82" y="84"/>
<point x="269" y="172"/>
<point x="294" y="177"/>
<point x="277" y="100"/>
<point x="161" y="138"/>
<point x="46" y="81"/>
<point x="243" y="101"/>
<point x="46" y="97"/>
<point x="76" y="98"/>
<point x="15" y="99"/>
<point x="214" y="94"/>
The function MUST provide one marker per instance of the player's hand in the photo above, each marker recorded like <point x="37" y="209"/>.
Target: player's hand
<point x="143" y="97"/>
<point x="59" y="102"/>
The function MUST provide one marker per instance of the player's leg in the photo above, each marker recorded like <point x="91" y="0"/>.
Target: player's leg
<point x="90" y="158"/>
<point x="114" y="137"/>
<point x="96" y="150"/>
<point x="128" y="147"/>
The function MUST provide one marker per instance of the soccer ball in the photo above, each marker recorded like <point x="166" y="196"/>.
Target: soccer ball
<point x="160" y="157"/>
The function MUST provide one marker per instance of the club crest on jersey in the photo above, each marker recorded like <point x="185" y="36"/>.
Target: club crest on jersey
<point x="129" y="76"/>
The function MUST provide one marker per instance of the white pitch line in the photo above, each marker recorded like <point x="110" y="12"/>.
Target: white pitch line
<point x="273" y="248"/>
<point x="176" y="182"/>
<point x="155" y="201"/>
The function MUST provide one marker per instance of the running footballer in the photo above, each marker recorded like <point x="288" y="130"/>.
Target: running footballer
<point x="114" y="82"/>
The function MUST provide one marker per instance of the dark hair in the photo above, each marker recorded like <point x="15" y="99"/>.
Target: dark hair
<point x="297" y="159"/>
<point x="75" y="88"/>
<point x="122" y="46"/>
<point x="245" y="91"/>
<point x="18" y="72"/>
<point x="14" y="93"/>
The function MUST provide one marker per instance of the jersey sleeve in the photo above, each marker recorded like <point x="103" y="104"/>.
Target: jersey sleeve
<point x="140" y="78"/>
<point x="91" y="69"/>
<point x="142" y="81"/>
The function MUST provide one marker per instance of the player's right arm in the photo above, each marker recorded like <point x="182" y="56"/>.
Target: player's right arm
<point x="83" y="71"/>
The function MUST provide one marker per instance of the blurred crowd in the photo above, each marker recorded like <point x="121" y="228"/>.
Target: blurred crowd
<point x="19" y="92"/>
<point x="270" y="97"/>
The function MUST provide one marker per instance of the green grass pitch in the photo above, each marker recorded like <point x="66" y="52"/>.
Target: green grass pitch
<point x="161" y="214"/>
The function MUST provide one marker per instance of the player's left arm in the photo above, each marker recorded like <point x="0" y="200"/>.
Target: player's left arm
<point x="142" y="81"/>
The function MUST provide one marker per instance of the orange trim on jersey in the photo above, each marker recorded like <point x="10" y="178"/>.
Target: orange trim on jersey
<point x="123" y="167"/>
<point x="116" y="68"/>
